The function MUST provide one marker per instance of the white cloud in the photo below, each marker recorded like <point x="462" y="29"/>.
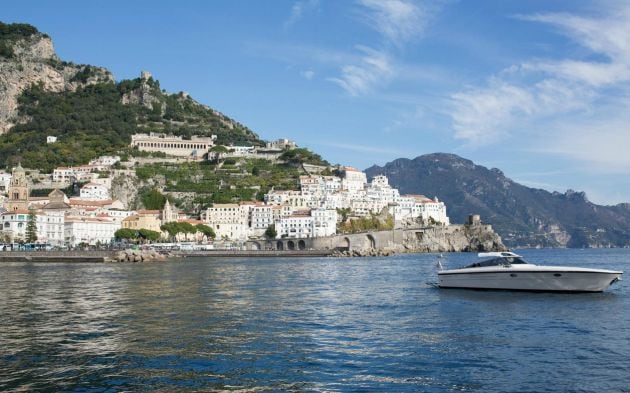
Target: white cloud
<point x="374" y="69"/>
<point x="396" y="20"/>
<point x="308" y="74"/>
<point x="602" y="144"/>
<point x="548" y="94"/>
<point x="366" y="149"/>
<point x="480" y="116"/>
<point x="298" y="10"/>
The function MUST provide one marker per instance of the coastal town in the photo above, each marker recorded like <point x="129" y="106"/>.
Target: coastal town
<point x="326" y="200"/>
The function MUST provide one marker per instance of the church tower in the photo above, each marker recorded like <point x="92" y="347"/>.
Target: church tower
<point x="18" y="190"/>
<point x="169" y="214"/>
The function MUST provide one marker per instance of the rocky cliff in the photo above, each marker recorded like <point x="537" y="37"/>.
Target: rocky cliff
<point x="453" y="238"/>
<point x="28" y="58"/>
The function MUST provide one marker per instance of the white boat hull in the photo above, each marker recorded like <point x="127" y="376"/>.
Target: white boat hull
<point x="530" y="278"/>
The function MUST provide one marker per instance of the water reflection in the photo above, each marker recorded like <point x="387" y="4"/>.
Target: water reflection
<point x="297" y="325"/>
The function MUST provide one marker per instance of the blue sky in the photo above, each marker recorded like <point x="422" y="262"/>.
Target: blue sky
<point x="539" y="89"/>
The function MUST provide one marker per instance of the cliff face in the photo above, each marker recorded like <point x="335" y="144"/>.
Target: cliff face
<point x="31" y="59"/>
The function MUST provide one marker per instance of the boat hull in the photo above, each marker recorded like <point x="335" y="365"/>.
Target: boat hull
<point x="538" y="281"/>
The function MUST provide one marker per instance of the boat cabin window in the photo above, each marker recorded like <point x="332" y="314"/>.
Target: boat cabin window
<point x="498" y="262"/>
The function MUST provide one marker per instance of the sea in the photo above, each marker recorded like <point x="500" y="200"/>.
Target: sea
<point x="307" y="325"/>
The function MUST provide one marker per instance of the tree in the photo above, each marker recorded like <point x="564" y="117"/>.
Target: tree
<point x="148" y="234"/>
<point x="5" y="237"/>
<point x="271" y="232"/>
<point x="126" y="234"/>
<point x="153" y="199"/>
<point x="300" y="156"/>
<point x="207" y="232"/>
<point x="344" y="212"/>
<point x="187" y="228"/>
<point x="172" y="228"/>
<point x="31" y="228"/>
<point x="217" y="152"/>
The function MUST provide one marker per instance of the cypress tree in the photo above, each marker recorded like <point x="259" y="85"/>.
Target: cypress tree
<point x="31" y="228"/>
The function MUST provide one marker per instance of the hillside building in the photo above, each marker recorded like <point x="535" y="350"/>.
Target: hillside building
<point x="94" y="191"/>
<point x="172" y="145"/>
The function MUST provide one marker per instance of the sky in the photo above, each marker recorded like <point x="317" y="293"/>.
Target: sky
<point x="538" y="89"/>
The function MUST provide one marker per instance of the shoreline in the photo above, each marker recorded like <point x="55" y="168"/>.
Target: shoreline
<point x="111" y="256"/>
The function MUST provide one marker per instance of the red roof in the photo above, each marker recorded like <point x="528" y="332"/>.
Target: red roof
<point x="82" y="202"/>
<point x="191" y="221"/>
<point x="148" y="211"/>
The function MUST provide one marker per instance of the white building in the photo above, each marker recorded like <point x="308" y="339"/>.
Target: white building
<point x="260" y="217"/>
<point x="228" y="220"/>
<point x="5" y="180"/>
<point x="324" y="222"/>
<point x="296" y="199"/>
<point x="78" y="173"/>
<point x="105" y="160"/>
<point x="103" y="181"/>
<point x="281" y="144"/>
<point x="50" y="227"/>
<point x="241" y="151"/>
<point x="297" y="225"/>
<point x="432" y="209"/>
<point x="89" y="230"/>
<point x="312" y="185"/>
<point x="51" y="217"/>
<point x="173" y="145"/>
<point x="353" y="192"/>
<point x="14" y="224"/>
<point x="94" y="191"/>
<point x="353" y="179"/>
<point x="116" y="215"/>
<point x="51" y="139"/>
<point x="420" y="207"/>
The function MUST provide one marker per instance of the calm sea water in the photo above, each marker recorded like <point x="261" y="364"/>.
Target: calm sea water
<point x="359" y="324"/>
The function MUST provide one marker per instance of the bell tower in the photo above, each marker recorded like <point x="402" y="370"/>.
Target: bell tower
<point x="18" y="190"/>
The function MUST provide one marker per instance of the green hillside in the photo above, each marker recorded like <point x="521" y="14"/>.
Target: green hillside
<point x="93" y="120"/>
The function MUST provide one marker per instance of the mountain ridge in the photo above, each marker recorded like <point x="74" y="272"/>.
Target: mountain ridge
<point x="522" y="215"/>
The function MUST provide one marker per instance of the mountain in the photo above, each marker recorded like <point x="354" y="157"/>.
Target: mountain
<point x="523" y="216"/>
<point x="83" y="105"/>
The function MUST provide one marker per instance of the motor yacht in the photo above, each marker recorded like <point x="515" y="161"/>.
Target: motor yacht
<point x="509" y="271"/>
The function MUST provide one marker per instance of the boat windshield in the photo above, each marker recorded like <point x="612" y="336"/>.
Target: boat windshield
<point x="498" y="262"/>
